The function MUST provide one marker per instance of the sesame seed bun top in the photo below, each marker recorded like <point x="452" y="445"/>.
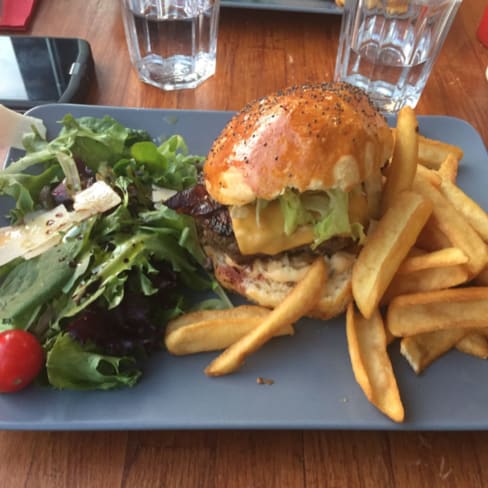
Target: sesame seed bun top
<point x="310" y="137"/>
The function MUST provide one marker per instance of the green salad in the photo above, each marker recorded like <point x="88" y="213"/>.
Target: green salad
<point x="93" y="263"/>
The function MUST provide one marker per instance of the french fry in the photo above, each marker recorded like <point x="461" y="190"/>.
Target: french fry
<point x="454" y="226"/>
<point x="213" y="330"/>
<point x="417" y="313"/>
<point x="432" y="153"/>
<point x="401" y="171"/>
<point x="371" y="365"/>
<point x="374" y="189"/>
<point x="422" y="349"/>
<point x="482" y="278"/>
<point x="415" y="251"/>
<point x="425" y="280"/>
<point x="475" y="344"/>
<point x="199" y="316"/>
<point x="448" y="170"/>
<point x="449" y="256"/>
<point x="431" y="238"/>
<point x="297" y="303"/>
<point x="389" y="336"/>
<point x="467" y="207"/>
<point x="386" y="248"/>
<point x="429" y="174"/>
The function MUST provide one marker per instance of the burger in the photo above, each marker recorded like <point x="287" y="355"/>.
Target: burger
<point x="293" y="176"/>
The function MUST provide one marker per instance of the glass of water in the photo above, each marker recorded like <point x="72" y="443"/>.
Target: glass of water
<point x="172" y="43"/>
<point x="388" y="47"/>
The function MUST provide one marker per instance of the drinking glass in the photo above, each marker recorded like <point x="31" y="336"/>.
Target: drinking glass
<point x="388" y="47"/>
<point x="172" y="43"/>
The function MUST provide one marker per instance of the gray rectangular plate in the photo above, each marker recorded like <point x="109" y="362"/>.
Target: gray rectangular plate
<point x="313" y="384"/>
<point x="319" y="6"/>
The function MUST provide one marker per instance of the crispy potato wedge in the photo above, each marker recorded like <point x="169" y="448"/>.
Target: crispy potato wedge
<point x="449" y="256"/>
<point x="417" y="313"/>
<point x="467" y="207"/>
<point x="403" y="166"/>
<point x="475" y="344"/>
<point x="371" y="365"/>
<point x="425" y="280"/>
<point x="454" y="226"/>
<point x="386" y="248"/>
<point x="213" y="330"/>
<point x="422" y="349"/>
<point x="432" y="153"/>
<point x="297" y="303"/>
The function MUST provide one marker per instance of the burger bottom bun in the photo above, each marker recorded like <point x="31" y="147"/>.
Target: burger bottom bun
<point x="268" y="281"/>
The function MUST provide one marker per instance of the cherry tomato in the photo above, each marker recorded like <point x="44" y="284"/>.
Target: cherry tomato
<point x="21" y="359"/>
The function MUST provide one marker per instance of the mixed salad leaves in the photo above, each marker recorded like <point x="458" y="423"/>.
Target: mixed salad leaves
<point x="98" y="288"/>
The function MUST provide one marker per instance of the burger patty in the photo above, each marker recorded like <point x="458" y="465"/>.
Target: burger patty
<point x="214" y="226"/>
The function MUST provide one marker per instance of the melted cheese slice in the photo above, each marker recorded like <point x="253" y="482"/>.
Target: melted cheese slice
<point x="268" y="237"/>
<point x="43" y="230"/>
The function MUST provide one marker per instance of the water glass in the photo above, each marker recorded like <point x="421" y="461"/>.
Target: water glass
<point x="172" y="43"/>
<point x="388" y="47"/>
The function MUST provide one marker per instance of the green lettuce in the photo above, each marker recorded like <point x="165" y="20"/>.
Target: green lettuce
<point x="70" y="365"/>
<point x="168" y="165"/>
<point x="327" y="211"/>
<point x="34" y="282"/>
<point x="98" y="142"/>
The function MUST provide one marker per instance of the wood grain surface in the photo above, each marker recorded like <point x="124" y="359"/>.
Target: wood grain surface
<point x="259" y="52"/>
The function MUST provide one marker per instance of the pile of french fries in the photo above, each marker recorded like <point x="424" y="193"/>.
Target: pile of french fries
<point x="422" y="274"/>
<point x="421" y="278"/>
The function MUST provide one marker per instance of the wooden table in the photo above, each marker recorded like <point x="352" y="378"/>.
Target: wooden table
<point x="259" y="52"/>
